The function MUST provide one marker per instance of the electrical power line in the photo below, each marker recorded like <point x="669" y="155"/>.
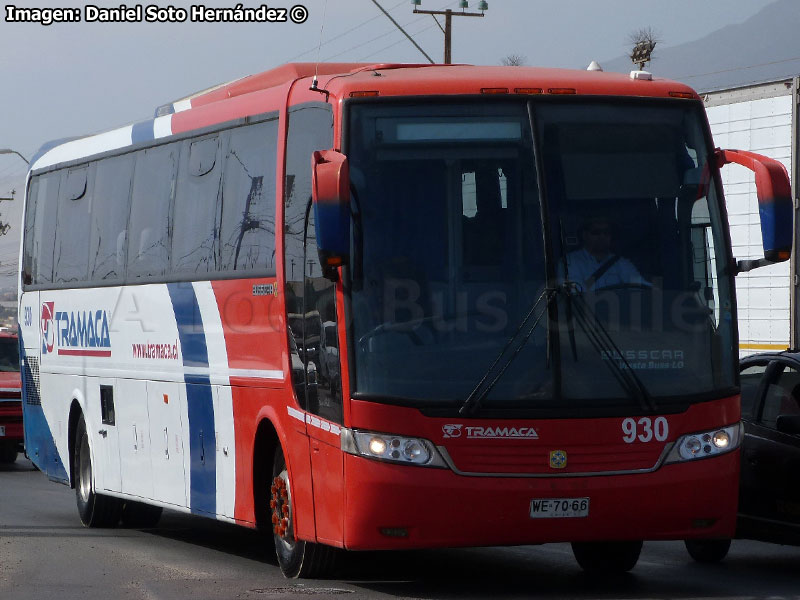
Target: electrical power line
<point x="382" y="36"/>
<point x="344" y="33"/>
<point x="362" y="44"/>
<point x="410" y="38"/>
<point x="766" y="64"/>
<point x="395" y="43"/>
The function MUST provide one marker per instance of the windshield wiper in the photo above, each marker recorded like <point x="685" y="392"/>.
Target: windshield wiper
<point x="604" y="344"/>
<point x="598" y="335"/>
<point x="482" y="389"/>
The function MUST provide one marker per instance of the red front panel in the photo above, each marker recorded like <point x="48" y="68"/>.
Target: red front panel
<point x="499" y="467"/>
<point x="11" y="420"/>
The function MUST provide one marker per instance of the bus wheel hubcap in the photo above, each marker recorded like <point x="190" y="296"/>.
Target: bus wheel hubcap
<point x="85" y="477"/>
<point x="280" y="503"/>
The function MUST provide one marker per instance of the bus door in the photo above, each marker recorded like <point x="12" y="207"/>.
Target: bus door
<point x="316" y="367"/>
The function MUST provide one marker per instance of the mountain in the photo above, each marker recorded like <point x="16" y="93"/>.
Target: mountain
<point x="766" y="47"/>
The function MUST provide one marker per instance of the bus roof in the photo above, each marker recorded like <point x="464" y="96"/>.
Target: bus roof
<point x="345" y="80"/>
<point x="342" y="79"/>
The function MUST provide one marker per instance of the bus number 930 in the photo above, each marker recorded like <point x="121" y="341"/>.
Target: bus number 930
<point x="645" y="429"/>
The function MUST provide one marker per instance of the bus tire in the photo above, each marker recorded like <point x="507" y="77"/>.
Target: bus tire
<point x="137" y="515"/>
<point x="607" y="557"/>
<point x="708" y="551"/>
<point x="8" y="453"/>
<point x="95" y="510"/>
<point x="296" y="558"/>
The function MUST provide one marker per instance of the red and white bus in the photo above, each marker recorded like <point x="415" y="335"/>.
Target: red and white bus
<point x="398" y="306"/>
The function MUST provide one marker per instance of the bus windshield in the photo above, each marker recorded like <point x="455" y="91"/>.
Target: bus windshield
<point x="9" y="354"/>
<point x="565" y="255"/>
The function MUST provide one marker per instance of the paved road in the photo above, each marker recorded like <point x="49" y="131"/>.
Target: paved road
<point x="46" y="553"/>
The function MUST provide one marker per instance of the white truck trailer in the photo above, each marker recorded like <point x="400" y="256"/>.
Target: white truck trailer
<point x="761" y="118"/>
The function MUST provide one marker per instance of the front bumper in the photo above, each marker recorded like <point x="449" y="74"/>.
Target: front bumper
<point x="11" y="420"/>
<point x="396" y="506"/>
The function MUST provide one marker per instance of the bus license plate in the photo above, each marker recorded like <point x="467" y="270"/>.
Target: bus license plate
<point x="2" y="431"/>
<point x="559" y="508"/>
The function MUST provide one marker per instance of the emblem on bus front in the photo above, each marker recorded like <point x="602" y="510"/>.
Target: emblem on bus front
<point x="452" y="430"/>
<point x="558" y="459"/>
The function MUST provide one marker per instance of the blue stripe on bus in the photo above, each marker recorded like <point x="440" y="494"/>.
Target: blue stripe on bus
<point x="199" y="400"/>
<point x="39" y="442"/>
<point x="142" y="132"/>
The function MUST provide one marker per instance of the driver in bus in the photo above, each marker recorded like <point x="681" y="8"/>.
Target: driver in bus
<point x="594" y="266"/>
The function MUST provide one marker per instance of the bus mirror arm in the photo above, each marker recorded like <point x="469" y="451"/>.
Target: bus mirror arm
<point x="743" y="266"/>
<point x="775" y="205"/>
<point x="330" y="193"/>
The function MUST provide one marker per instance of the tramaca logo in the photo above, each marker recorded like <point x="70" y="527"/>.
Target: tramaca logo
<point x="75" y="333"/>
<point x="48" y="328"/>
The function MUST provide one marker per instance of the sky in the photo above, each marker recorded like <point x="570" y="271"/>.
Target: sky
<point x="72" y="79"/>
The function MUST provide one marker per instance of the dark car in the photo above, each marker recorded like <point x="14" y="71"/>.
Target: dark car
<point x="769" y="491"/>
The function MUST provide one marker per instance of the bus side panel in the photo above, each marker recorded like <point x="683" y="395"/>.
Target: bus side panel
<point x="40" y="444"/>
<point x="224" y="428"/>
<point x="251" y="406"/>
<point x="252" y="319"/>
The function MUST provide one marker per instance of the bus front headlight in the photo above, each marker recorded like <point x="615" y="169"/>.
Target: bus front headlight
<point x="706" y="444"/>
<point x="391" y="448"/>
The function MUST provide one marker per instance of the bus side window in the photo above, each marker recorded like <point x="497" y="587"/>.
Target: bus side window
<point x="151" y="199"/>
<point x="247" y="228"/>
<point x="112" y="190"/>
<point x="194" y="231"/>
<point x="45" y="227"/>
<point x="704" y="258"/>
<point x="29" y="259"/>
<point x="71" y="256"/>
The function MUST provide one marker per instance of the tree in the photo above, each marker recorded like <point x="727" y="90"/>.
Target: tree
<point x="513" y="60"/>
<point x="644" y="41"/>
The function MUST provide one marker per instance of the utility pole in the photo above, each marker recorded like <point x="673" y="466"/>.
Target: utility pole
<point x="448" y="21"/>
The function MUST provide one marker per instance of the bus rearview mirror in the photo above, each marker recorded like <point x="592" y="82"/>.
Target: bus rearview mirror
<point x="330" y="193"/>
<point x="775" y="206"/>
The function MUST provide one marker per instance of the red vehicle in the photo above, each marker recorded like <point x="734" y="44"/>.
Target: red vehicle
<point x="395" y="307"/>
<point x="10" y="398"/>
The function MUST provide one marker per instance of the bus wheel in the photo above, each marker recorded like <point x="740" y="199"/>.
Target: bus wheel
<point x="708" y="551"/>
<point x="296" y="558"/>
<point x="8" y="453"/>
<point x="607" y="557"/>
<point x="138" y="515"/>
<point x="95" y="510"/>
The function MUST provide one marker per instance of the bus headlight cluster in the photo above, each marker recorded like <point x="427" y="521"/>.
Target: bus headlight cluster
<point x="706" y="443"/>
<point x="391" y="448"/>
